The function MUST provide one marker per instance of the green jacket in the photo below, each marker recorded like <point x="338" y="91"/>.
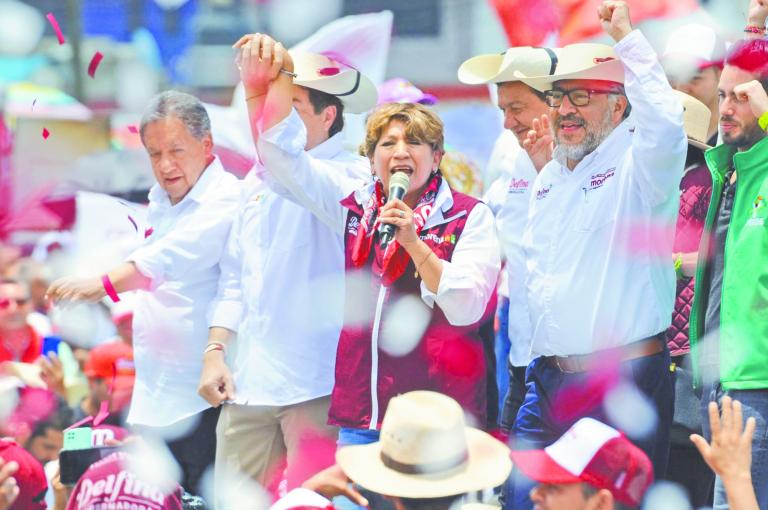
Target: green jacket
<point x="743" y="351"/>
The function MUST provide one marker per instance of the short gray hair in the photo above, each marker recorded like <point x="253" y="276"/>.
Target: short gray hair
<point x="185" y="107"/>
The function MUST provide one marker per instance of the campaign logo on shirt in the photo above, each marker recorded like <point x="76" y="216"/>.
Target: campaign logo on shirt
<point x="758" y="213"/>
<point x="353" y="225"/>
<point x="597" y="180"/>
<point x="518" y="186"/>
<point x="543" y="192"/>
<point x="447" y="238"/>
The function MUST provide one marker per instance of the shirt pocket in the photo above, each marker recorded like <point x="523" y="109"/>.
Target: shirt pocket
<point x="594" y="210"/>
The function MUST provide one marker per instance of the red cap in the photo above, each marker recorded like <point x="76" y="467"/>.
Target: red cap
<point x="594" y="453"/>
<point x="112" y="361"/>
<point x="111" y="481"/>
<point x="30" y="476"/>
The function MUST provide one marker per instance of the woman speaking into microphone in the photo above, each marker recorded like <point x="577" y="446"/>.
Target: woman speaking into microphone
<point x="413" y="304"/>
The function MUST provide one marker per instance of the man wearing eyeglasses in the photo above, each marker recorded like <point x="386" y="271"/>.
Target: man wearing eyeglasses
<point x="18" y="341"/>
<point x="598" y="243"/>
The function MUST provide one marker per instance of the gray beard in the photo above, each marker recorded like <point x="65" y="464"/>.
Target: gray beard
<point x="577" y="152"/>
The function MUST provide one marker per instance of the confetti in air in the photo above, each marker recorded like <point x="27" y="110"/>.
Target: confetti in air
<point x="33" y="103"/>
<point x="133" y="222"/>
<point x="95" y="61"/>
<point x="46" y="134"/>
<point x="55" y="25"/>
<point x="133" y="129"/>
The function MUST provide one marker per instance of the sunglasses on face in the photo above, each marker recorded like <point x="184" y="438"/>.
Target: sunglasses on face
<point x="577" y="97"/>
<point x="5" y="303"/>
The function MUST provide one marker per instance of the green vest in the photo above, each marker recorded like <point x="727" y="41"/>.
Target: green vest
<point x="743" y="350"/>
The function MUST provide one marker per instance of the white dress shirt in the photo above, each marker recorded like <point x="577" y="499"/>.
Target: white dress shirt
<point x="469" y="278"/>
<point x="599" y="238"/>
<point x="512" y="219"/>
<point x="181" y="256"/>
<point x="282" y="288"/>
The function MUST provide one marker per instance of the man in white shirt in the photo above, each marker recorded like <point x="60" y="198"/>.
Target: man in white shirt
<point x="176" y="271"/>
<point x="282" y="292"/>
<point x="523" y="106"/>
<point x="599" y="240"/>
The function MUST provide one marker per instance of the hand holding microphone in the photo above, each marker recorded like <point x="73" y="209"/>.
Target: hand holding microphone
<point x="395" y="213"/>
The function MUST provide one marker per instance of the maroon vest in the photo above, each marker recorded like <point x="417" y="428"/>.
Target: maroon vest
<point x="447" y="359"/>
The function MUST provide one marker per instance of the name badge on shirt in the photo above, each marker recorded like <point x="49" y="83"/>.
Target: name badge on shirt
<point x="758" y="207"/>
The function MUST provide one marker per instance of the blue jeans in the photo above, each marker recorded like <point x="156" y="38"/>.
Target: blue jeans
<point x="350" y="437"/>
<point x="501" y="348"/>
<point x="536" y="425"/>
<point x="753" y="403"/>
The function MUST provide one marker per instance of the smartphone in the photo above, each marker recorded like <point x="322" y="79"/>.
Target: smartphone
<point x="73" y="463"/>
<point x="51" y="344"/>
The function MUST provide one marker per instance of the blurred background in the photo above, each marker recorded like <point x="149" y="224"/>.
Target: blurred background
<point x="66" y="131"/>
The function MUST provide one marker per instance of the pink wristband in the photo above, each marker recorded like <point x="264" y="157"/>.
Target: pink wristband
<point x="111" y="292"/>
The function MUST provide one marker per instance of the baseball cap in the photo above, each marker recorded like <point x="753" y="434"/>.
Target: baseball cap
<point x="695" y="44"/>
<point x="594" y="453"/>
<point x="111" y="481"/>
<point x="30" y="476"/>
<point x="113" y="362"/>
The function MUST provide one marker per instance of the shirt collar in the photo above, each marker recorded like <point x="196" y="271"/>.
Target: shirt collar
<point x="158" y="195"/>
<point x="329" y="149"/>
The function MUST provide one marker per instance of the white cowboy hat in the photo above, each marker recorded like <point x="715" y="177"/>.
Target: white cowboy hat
<point x="316" y="71"/>
<point x="426" y="451"/>
<point x="696" y="118"/>
<point x="581" y="61"/>
<point x="501" y="67"/>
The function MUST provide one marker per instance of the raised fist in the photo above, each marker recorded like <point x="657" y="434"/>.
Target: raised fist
<point x="614" y="16"/>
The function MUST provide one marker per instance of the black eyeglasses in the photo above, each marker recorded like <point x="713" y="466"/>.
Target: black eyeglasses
<point x="577" y="97"/>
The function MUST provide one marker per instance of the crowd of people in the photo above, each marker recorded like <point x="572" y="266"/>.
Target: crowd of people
<point x="351" y="324"/>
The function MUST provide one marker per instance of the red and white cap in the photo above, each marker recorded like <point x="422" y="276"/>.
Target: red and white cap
<point x="594" y="453"/>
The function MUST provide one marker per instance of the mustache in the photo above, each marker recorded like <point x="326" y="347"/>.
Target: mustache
<point x="571" y="117"/>
<point x="727" y="118"/>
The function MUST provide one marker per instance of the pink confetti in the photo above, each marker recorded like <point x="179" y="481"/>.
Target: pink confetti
<point x="95" y="61"/>
<point x="77" y="424"/>
<point x="46" y="133"/>
<point x="148" y="232"/>
<point x="329" y="71"/>
<point x="133" y="222"/>
<point x="133" y="129"/>
<point x="55" y="25"/>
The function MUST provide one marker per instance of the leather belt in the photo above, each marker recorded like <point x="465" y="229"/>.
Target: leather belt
<point x="586" y="362"/>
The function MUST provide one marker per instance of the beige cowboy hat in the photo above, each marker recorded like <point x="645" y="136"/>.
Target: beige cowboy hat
<point x="426" y="451"/>
<point x="315" y="71"/>
<point x="696" y="118"/>
<point x="501" y="67"/>
<point x="581" y="61"/>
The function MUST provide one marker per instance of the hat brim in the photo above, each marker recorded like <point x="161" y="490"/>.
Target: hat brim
<point x="488" y="465"/>
<point x="606" y="71"/>
<point x="484" y="69"/>
<point x="540" y="467"/>
<point x="699" y="145"/>
<point x="356" y="92"/>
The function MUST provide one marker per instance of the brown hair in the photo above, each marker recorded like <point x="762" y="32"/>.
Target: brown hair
<point x="421" y="123"/>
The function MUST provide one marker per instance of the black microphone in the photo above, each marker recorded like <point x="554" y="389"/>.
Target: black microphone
<point x="398" y="186"/>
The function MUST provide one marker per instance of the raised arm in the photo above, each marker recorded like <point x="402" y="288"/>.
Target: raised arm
<point x="659" y="145"/>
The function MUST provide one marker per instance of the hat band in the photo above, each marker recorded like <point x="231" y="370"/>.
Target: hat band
<point x="354" y="87"/>
<point x="552" y="60"/>
<point x="424" y="468"/>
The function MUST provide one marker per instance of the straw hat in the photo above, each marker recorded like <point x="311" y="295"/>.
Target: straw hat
<point x="696" y="117"/>
<point x="426" y="451"/>
<point x="501" y="67"/>
<point x="582" y="61"/>
<point x="315" y="71"/>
